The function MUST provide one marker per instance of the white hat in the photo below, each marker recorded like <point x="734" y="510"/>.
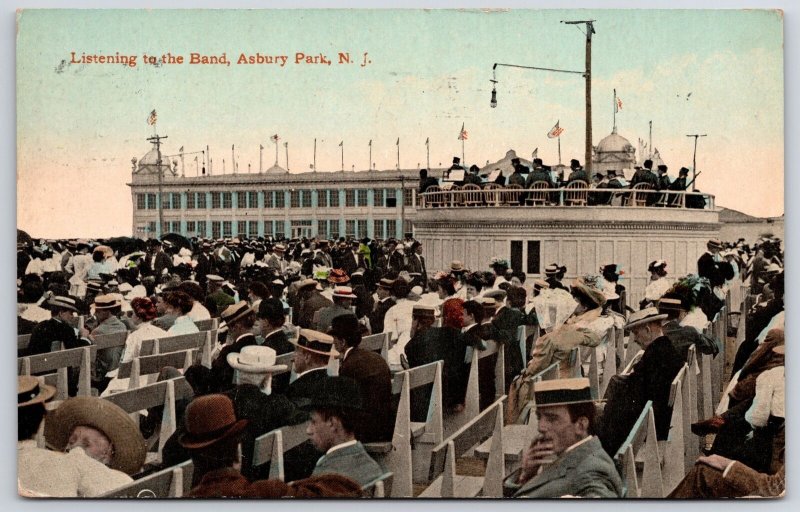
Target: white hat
<point x="255" y="359"/>
<point x="344" y="292"/>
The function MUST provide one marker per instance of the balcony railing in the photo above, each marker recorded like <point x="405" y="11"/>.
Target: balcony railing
<point x="495" y="196"/>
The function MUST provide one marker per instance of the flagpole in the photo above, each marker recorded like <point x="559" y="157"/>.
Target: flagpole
<point x="370" y="155"/>
<point x="398" y="153"/>
<point x="315" y="155"/>
<point x="260" y="158"/>
<point x="559" y="150"/>
<point x="233" y="159"/>
<point x="428" y="148"/>
<point x="286" y="146"/>
<point x="183" y="166"/>
<point x="341" y="145"/>
<point x="650" y="150"/>
<point x="196" y="167"/>
<point x="208" y="152"/>
<point x="615" y="112"/>
<point x="463" y="160"/>
<point x="276" y="150"/>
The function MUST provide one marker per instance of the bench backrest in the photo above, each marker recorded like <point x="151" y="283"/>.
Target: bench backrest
<point x="641" y="446"/>
<point x="173" y="482"/>
<point x="60" y="362"/>
<point x="381" y="487"/>
<point x="377" y="343"/>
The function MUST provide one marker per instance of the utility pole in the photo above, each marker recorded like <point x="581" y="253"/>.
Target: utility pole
<point x="156" y="140"/>
<point x="588" y="76"/>
<point x="694" y="159"/>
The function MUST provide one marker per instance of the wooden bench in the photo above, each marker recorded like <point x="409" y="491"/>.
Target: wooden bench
<point x="161" y="394"/>
<point x="203" y="341"/>
<point x="377" y="343"/>
<point x="59" y="362"/>
<point x="638" y="458"/>
<point x="149" y="365"/>
<point x="472" y="399"/>
<point x="446" y="483"/>
<point x="381" y="487"/>
<point x="208" y="324"/>
<point x="517" y="436"/>
<point x="271" y="447"/>
<point x="174" y="482"/>
<point x="396" y="456"/>
<point x="673" y="449"/>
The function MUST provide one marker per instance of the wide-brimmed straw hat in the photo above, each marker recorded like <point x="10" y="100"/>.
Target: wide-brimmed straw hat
<point x="60" y="301"/>
<point x="344" y="292"/>
<point x="107" y="417"/>
<point x="235" y="312"/>
<point x="210" y="419"/>
<point x="644" y="316"/>
<point x="255" y="359"/>
<point x="30" y="391"/>
<point x="107" y="302"/>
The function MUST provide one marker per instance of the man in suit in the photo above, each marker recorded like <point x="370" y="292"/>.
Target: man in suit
<point x="715" y="476"/>
<point x="385" y="302"/>
<point x="204" y="265"/>
<point x="518" y="176"/>
<point x="240" y="319"/>
<point x="157" y="261"/>
<point x="416" y="262"/>
<point x="272" y="318"/>
<point x="332" y="431"/>
<point x="343" y="298"/>
<point x="425" y="181"/>
<point x="578" y="173"/>
<point x="351" y="259"/>
<point x="707" y="264"/>
<point x="376" y="421"/>
<point x="311" y="302"/>
<point x="322" y="256"/>
<point x="216" y="300"/>
<point x="107" y="308"/>
<point x="566" y="459"/>
<point x="505" y="324"/>
<point x="312" y="351"/>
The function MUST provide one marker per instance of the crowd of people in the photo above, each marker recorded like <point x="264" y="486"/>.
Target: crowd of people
<point x="319" y="298"/>
<point x="612" y="183"/>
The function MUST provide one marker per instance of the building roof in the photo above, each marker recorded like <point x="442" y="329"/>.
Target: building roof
<point x="614" y="143"/>
<point x="729" y="215"/>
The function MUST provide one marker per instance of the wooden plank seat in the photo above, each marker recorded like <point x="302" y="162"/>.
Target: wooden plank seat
<point x="381" y="487"/>
<point x="445" y="482"/>
<point x="60" y="362"/>
<point x="164" y="394"/>
<point x="673" y="449"/>
<point x="173" y="482"/>
<point x="397" y="456"/>
<point x="517" y="436"/>
<point x="271" y="447"/>
<point x="378" y="342"/>
<point x="644" y="481"/>
<point x="472" y="398"/>
<point x="150" y="365"/>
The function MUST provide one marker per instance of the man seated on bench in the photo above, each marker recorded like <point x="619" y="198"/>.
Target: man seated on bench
<point x="332" y="430"/>
<point x="566" y="458"/>
<point x="376" y="422"/>
<point x="106" y="309"/>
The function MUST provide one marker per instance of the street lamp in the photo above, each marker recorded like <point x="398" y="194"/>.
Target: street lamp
<point x="587" y="75"/>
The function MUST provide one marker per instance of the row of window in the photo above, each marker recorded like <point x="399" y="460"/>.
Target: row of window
<point x="326" y="228"/>
<point x="353" y="198"/>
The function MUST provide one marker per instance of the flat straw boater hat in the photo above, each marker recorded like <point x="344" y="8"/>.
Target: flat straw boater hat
<point x="109" y="418"/>
<point x="107" y="302"/>
<point x="60" y="301"/>
<point x="554" y="392"/>
<point x="315" y="342"/>
<point x="235" y="312"/>
<point x="644" y="316"/>
<point x="255" y="359"/>
<point x="30" y="391"/>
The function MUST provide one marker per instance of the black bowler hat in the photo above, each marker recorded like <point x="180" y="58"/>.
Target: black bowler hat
<point x="334" y="393"/>
<point x="683" y="172"/>
<point x="574" y="164"/>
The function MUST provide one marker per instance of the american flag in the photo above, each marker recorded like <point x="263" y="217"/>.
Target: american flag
<point x="619" y="104"/>
<point x="152" y="119"/>
<point x="556" y="131"/>
<point x="463" y="134"/>
<point x="274" y="138"/>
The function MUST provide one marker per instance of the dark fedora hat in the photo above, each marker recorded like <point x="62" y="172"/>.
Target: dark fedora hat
<point x="209" y="419"/>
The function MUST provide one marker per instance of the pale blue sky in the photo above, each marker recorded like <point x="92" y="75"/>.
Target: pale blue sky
<point x="430" y="72"/>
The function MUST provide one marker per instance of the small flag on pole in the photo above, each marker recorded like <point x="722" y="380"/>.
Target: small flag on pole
<point x="261" y="146"/>
<point x="556" y="131"/>
<point x="181" y="150"/>
<point x="398" y="141"/>
<point x="153" y="118"/>
<point x="535" y="153"/>
<point x="232" y="146"/>
<point x="275" y="138"/>
<point x="619" y="104"/>
<point x="462" y="135"/>
<point x="341" y="144"/>
<point x="428" y="141"/>
<point x="370" y="143"/>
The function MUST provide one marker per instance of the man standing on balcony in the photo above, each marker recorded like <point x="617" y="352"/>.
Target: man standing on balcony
<point x="578" y="173"/>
